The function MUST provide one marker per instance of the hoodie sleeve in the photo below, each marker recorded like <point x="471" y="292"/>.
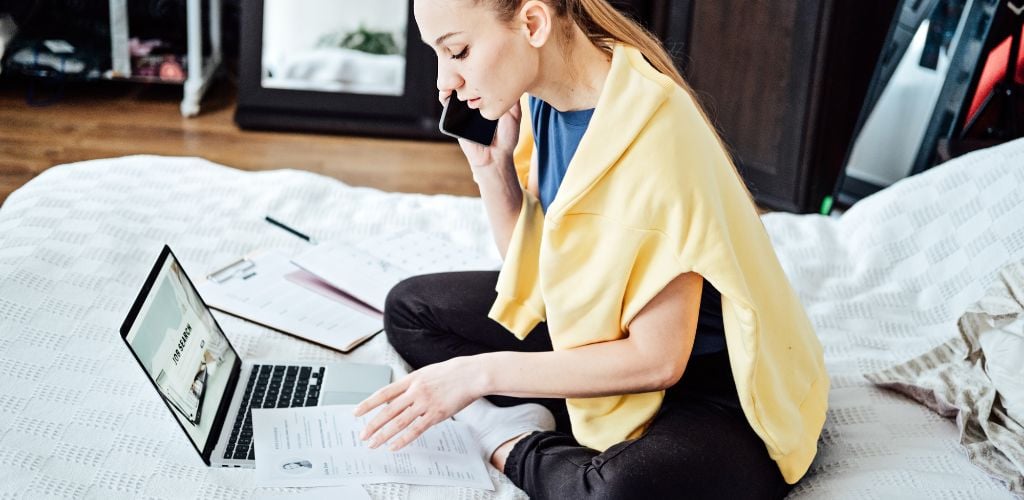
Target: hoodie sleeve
<point x="520" y="304"/>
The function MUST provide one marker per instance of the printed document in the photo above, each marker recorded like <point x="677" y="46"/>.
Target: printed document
<point x="368" y="270"/>
<point x="320" y="446"/>
<point x="271" y="292"/>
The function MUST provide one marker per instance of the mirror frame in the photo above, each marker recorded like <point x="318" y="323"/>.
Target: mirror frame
<point x="414" y="114"/>
<point x="961" y="81"/>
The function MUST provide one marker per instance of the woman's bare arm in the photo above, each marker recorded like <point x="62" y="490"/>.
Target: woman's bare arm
<point x="653" y="356"/>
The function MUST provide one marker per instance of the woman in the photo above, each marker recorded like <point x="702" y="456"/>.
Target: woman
<point x="650" y="314"/>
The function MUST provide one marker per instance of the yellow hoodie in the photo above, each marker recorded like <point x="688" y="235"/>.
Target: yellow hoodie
<point x="649" y="195"/>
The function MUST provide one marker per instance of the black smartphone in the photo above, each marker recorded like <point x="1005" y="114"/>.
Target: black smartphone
<point x="458" y="120"/>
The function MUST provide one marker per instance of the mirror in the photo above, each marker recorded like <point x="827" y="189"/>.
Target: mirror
<point x="339" y="66"/>
<point x="351" y="46"/>
<point x="927" y="94"/>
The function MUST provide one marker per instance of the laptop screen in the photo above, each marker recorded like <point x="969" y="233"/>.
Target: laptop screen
<point x="181" y="348"/>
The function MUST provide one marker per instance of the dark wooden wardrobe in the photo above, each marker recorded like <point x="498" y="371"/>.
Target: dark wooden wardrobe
<point x="782" y="80"/>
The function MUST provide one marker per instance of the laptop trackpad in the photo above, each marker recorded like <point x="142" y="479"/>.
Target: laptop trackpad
<point x="342" y="398"/>
<point x="351" y="383"/>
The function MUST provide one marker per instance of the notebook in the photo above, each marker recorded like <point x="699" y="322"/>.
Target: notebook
<point x="266" y="288"/>
<point x="369" y="270"/>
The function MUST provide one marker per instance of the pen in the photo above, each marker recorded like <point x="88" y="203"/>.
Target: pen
<point x="290" y="230"/>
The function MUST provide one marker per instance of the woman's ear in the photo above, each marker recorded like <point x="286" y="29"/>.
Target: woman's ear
<point x="537" y="20"/>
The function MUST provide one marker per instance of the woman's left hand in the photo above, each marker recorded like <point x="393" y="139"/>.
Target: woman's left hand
<point x="499" y="152"/>
<point x="418" y="401"/>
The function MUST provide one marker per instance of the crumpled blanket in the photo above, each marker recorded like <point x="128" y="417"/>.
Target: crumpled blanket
<point x="978" y="378"/>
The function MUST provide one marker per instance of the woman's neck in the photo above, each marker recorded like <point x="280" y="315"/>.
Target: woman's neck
<point x="572" y="73"/>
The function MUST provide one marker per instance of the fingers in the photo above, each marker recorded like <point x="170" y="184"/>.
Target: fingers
<point x="386" y="415"/>
<point x="395" y="426"/>
<point x="399" y="416"/>
<point x="383" y="395"/>
<point x="414" y="431"/>
<point x="407" y="408"/>
<point x="508" y="128"/>
<point x="443" y="96"/>
<point x="516" y="111"/>
<point x="468" y="145"/>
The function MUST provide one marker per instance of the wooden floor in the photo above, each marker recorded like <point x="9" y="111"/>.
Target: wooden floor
<point x="108" y="119"/>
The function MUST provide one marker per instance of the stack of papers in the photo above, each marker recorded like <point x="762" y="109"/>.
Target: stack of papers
<point x="320" y="446"/>
<point x="301" y="295"/>
<point x="333" y="294"/>
<point x="272" y="292"/>
<point x="369" y="271"/>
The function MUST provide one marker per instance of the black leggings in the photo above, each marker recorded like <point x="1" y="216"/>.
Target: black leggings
<point x="698" y="446"/>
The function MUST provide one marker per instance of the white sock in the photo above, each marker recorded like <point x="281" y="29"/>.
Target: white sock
<point x="494" y="425"/>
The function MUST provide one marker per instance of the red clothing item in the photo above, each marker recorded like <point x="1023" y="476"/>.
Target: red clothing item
<point x="994" y="72"/>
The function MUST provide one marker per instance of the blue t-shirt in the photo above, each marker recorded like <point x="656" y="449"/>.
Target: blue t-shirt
<point x="556" y="136"/>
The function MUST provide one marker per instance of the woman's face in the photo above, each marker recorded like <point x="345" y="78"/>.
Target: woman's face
<point x="480" y="59"/>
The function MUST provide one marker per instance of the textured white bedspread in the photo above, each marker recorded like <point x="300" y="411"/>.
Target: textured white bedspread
<point x="77" y="419"/>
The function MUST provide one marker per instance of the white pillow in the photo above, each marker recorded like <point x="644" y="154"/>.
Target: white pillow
<point x="1004" y="364"/>
<point x="969" y="375"/>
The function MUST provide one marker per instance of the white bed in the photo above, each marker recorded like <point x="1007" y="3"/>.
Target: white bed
<point x="884" y="282"/>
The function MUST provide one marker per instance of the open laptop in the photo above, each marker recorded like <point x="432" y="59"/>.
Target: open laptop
<point x="204" y="382"/>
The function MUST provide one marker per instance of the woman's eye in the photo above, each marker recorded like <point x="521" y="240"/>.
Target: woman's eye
<point x="462" y="54"/>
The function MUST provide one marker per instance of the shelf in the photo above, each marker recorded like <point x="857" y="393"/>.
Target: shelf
<point x="196" y="82"/>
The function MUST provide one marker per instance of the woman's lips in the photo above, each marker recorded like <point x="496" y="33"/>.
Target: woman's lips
<point x="473" y="103"/>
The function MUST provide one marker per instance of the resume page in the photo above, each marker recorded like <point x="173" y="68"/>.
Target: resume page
<point x="320" y="446"/>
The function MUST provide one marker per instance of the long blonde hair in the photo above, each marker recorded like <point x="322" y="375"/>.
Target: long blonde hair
<point x="605" y="26"/>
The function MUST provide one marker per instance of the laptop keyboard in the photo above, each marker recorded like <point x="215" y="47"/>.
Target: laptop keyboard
<point x="271" y="387"/>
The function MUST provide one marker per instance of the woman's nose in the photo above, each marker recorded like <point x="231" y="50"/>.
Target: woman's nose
<point x="448" y="80"/>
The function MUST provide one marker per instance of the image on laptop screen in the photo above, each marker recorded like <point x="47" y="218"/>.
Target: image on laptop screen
<point x="182" y="350"/>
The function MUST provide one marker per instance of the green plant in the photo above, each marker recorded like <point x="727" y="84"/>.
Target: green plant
<point x="363" y="40"/>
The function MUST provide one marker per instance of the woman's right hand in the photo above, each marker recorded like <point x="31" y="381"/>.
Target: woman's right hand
<point x="505" y="138"/>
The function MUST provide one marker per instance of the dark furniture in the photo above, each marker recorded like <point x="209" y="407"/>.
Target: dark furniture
<point x="411" y="114"/>
<point x="782" y="81"/>
<point x="982" y="91"/>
